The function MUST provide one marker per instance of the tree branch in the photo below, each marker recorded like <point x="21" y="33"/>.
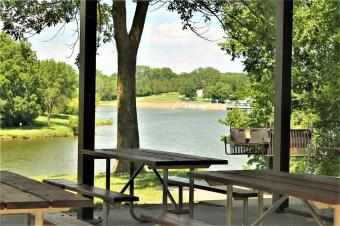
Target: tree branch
<point x="138" y="22"/>
<point x="119" y="20"/>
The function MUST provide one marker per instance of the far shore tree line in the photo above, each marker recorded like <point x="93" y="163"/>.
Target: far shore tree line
<point x="216" y="86"/>
<point x="33" y="87"/>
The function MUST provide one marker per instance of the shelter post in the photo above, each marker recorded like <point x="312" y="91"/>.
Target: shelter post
<point x="284" y="28"/>
<point x="87" y="93"/>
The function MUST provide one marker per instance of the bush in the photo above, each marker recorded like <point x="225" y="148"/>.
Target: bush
<point x="73" y="124"/>
<point x="20" y="96"/>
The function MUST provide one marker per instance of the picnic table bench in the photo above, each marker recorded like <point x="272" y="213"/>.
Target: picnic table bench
<point x="22" y="195"/>
<point x="238" y="193"/>
<point x="154" y="160"/>
<point x="110" y="198"/>
<point x="305" y="187"/>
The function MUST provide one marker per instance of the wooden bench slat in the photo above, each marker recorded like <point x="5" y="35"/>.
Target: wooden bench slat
<point x="109" y="196"/>
<point x="169" y="219"/>
<point x="62" y="219"/>
<point x="13" y="198"/>
<point x="2" y="204"/>
<point x="156" y="159"/>
<point x="54" y="196"/>
<point x="325" y="183"/>
<point x="275" y="186"/>
<point x="237" y="192"/>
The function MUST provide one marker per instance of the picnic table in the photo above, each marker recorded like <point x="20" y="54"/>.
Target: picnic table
<point x="305" y="187"/>
<point x="154" y="160"/>
<point x="22" y="195"/>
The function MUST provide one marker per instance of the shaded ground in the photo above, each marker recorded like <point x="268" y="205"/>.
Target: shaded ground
<point x="209" y="214"/>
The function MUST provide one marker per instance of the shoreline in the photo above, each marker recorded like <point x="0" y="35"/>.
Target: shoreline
<point x="173" y="105"/>
<point x="62" y="127"/>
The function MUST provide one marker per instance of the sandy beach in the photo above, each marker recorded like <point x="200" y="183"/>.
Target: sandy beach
<point x="182" y="105"/>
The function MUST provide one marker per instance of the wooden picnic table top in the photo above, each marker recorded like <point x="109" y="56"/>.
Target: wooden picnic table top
<point x="309" y="187"/>
<point x="19" y="192"/>
<point x="156" y="159"/>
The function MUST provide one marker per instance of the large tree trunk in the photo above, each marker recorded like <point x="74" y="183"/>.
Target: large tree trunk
<point x="127" y="47"/>
<point x="127" y="125"/>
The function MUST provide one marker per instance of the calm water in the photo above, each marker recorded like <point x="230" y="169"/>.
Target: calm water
<point x="180" y="130"/>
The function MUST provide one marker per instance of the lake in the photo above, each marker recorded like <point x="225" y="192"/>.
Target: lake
<point x="195" y="132"/>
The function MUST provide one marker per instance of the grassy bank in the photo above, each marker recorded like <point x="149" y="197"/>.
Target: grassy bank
<point x="60" y="126"/>
<point x="147" y="187"/>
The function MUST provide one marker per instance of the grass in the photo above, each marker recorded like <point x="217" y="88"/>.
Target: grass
<point x="147" y="187"/>
<point x="103" y="122"/>
<point x="59" y="126"/>
<point x="161" y="98"/>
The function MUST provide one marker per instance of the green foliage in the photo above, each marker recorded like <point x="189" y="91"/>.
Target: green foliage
<point x="152" y="81"/>
<point x="106" y="86"/>
<point x="69" y="107"/>
<point x="59" y="83"/>
<point x="236" y="118"/>
<point x="188" y="89"/>
<point x="317" y="162"/>
<point x="73" y="124"/>
<point x="20" y="93"/>
<point x="315" y="69"/>
<point x="219" y="91"/>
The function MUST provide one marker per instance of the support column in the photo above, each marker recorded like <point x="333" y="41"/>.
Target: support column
<point x="87" y="96"/>
<point x="284" y="27"/>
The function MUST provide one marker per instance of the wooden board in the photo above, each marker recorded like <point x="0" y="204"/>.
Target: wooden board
<point x="237" y="192"/>
<point x="104" y="194"/>
<point x="156" y="159"/>
<point x="169" y="219"/>
<point x="54" y="197"/>
<point x="16" y="199"/>
<point x="315" y="188"/>
<point x="62" y="219"/>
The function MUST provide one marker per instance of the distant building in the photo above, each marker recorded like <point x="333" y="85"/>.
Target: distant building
<point x="199" y="93"/>
<point x="242" y="104"/>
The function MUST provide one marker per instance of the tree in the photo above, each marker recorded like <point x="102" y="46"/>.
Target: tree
<point x="20" y="92"/>
<point x="315" y="71"/>
<point x="219" y="91"/>
<point x="59" y="83"/>
<point x="188" y="89"/>
<point x="106" y="86"/>
<point x="22" y="17"/>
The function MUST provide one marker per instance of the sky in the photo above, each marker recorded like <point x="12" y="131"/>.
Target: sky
<point x="163" y="44"/>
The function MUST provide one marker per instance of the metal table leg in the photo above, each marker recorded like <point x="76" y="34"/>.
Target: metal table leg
<point x="269" y="210"/>
<point x="165" y="191"/>
<point x="38" y="219"/>
<point x="131" y="185"/>
<point x="260" y="205"/>
<point x="191" y="196"/>
<point x="172" y="200"/>
<point x="229" y="204"/>
<point x="245" y="212"/>
<point x="315" y="215"/>
<point x="336" y="215"/>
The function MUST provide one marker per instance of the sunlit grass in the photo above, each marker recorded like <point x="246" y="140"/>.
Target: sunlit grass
<point x="59" y="126"/>
<point x="161" y="98"/>
<point x="147" y="186"/>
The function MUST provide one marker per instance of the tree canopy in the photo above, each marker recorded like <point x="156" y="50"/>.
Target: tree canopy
<point x="59" y="83"/>
<point x="20" y="93"/>
<point x="315" y="69"/>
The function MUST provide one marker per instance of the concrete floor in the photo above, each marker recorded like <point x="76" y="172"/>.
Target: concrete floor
<point x="215" y="215"/>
